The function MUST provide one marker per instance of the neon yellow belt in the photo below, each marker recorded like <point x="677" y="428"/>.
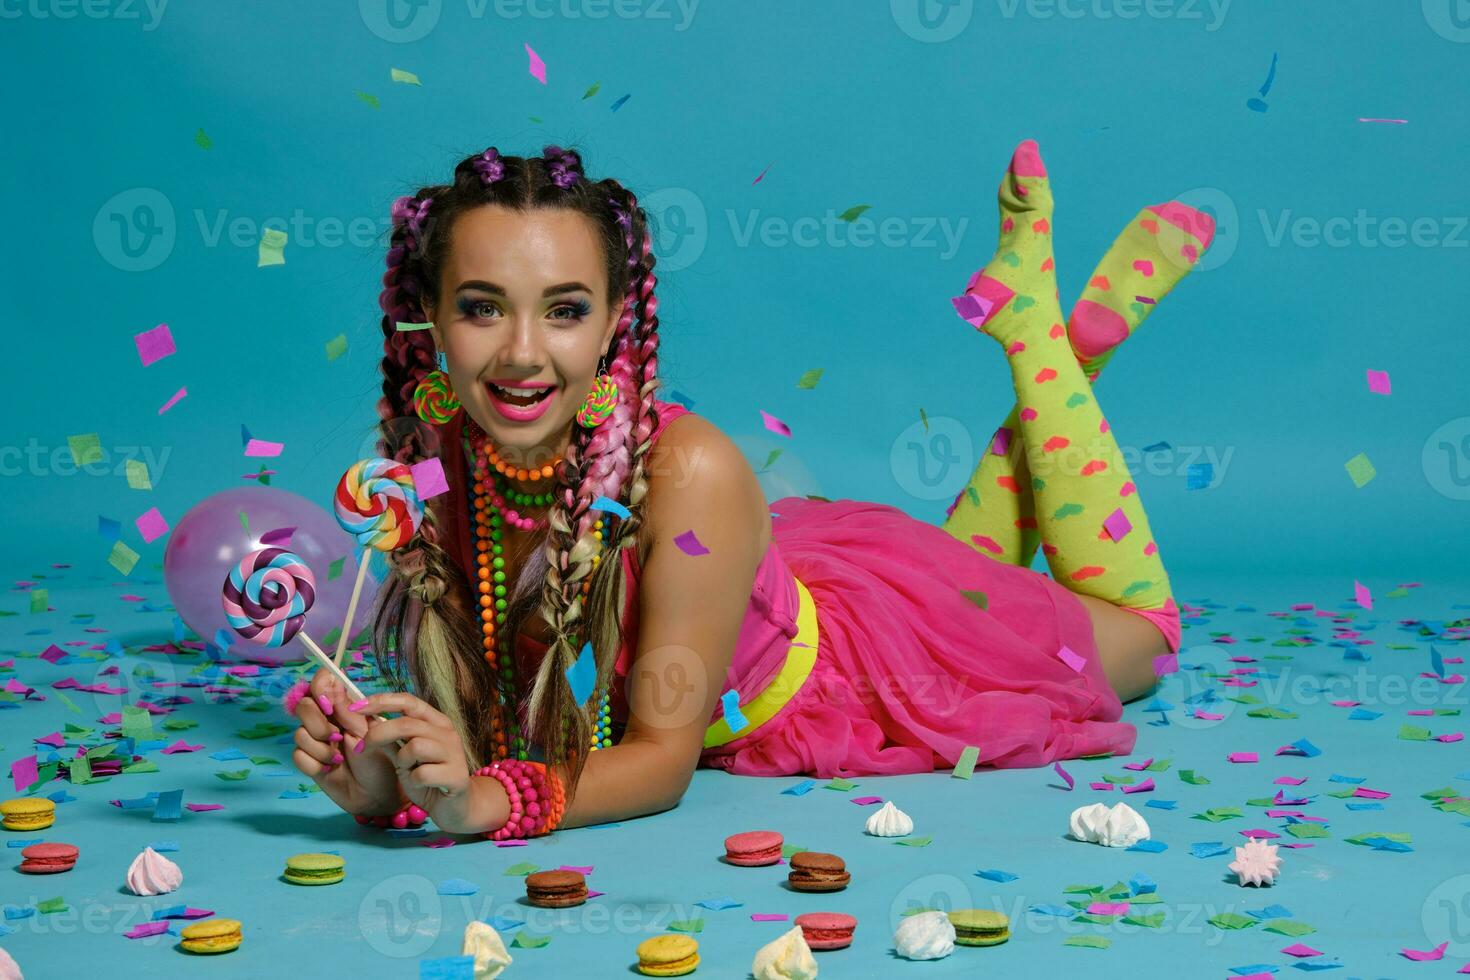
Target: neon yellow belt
<point x="800" y="657"/>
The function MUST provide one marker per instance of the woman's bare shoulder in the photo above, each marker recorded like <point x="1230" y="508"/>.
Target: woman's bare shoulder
<point x="693" y="464"/>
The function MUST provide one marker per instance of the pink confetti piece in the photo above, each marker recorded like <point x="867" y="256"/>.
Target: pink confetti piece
<point x="155" y="344"/>
<point x="1302" y="950"/>
<point x="1204" y="715"/>
<point x="1260" y="834"/>
<point x="1370" y="794"/>
<point x="279" y="538"/>
<point x="1243" y="757"/>
<point x="768" y="917"/>
<point x="517" y="842"/>
<point x="1149" y="300"/>
<point x="689" y="544"/>
<point x="256" y="476"/>
<point x="774" y="424"/>
<point x="537" y="67"/>
<point x="144" y="929"/>
<point x="1361" y="595"/>
<point x="761" y="177"/>
<point x="24" y="772"/>
<point x="1450" y="737"/>
<point x="1000" y="443"/>
<point x="55" y="739"/>
<point x="1139" y="766"/>
<point x="14" y="686"/>
<point x="440" y="842"/>
<point x="1289" y="780"/>
<point x="972" y="309"/>
<point x="1166" y="663"/>
<point x="866" y="800"/>
<point x="203" y="807"/>
<point x="259" y="447"/>
<point x="1420" y="955"/>
<point x="181" y="746"/>
<point x="581" y="869"/>
<point x="428" y="478"/>
<point x="594" y="894"/>
<point x="1379" y="383"/>
<point x="151" y="525"/>
<point x="1066" y="776"/>
<point x="1101" y="787"/>
<point x="1072" y="658"/>
<point x="1108" y="908"/>
<point x="178" y="396"/>
<point x="1147" y="786"/>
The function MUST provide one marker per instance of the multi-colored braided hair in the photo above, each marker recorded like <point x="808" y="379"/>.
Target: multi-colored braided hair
<point x="426" y="611"/>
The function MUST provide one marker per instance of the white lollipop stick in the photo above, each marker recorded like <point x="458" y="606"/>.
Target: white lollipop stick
<point x="362" y="565"/>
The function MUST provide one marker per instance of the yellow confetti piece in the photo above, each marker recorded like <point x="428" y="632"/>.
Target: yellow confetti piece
<point x="122" y="558"/>
<point x="1361" y="470"/>
<point x="810" y="379"/>
<point x="272" y="241"/>
<point x="336" y="347"/>
<point x="85" y="448"/>
<point x="406" y="77"/>
<point x="137" y="472"/>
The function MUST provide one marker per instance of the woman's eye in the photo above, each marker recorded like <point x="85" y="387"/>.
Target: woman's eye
<point x="476" y="307"/>
<point x="574" y="311"/>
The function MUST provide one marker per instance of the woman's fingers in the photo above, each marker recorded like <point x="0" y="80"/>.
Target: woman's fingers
<point x="383" y="734"/>
<point x="333" y="700"/>
<point x="419" y="751"/>
<point x="317" y="749"/>
<point x="409" y="705"/>
<point x="313" y="721"/>
<point x="308" y="764"/>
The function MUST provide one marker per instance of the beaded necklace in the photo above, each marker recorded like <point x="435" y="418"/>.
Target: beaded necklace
<point x="488" y="519"/>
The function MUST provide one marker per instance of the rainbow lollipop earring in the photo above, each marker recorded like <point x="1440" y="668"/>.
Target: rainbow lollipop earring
<point x="598" y="404"/>
<point x="433" y="400"/>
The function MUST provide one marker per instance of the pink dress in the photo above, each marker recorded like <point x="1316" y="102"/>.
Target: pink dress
<point x="908" y="671"/>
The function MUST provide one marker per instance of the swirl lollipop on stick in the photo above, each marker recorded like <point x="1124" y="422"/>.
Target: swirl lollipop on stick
<point x="376" y="502"/>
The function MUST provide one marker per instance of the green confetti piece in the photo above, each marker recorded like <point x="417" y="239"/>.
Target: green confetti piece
<point x="1364" y="838"/>
<point x="371" y="100"/>
<point x="334" y="570"/>
<point x="526" y="940"/>
<point x="1361" y="470"/>
<point x="1307" y="831"/>
<point x="840" y="784"/>
<point x="1413" y="733"/>
<point x="851" y="214"/>
<point x="914" y="841"/>
<point x="264" y="760"/>
<point x="789" y="849"/>
<point x="534" y="119"/>
<point x="1152" y="920"/>
<point x="592" y="91"/>
<point x="925" y="419"/>
<point x="244" y="523"/>
<point x="1082" y="890"/>
<point x="263" y="477"/>
<point x="1147" y="898"/>
<point x="809" y="379"/>
<point x="81" y="769"/>
<point x="50" y="905"/>
<point x="1443" y="712"/>
<point x="1288" y="927"/>
<point x="775" y="453"/>
<point x="1217" y="813"/>
<point x="271" y="249"/>
<point x="1088" y="942"/>
<point x="234" y="775"/>
<point x="965" y="767"/>
<point x="978" y="598"/>
<point x="1439" y="794"/>
<point x="409" y="327"/>
<point x="40" y="600"/>
<point x="522" y="869"/>
<point x="330" y="639"/>
<point x="141" y="766"/>
<point x="1158" y="765"/>
<point x="1244" y="699"/>
<point x="687" y="925"/>
<point x="406" y="77"/>
<point x="264" y="730"/>
<point x="336" y="347"/>
<point x="202" y="140"/>
<point x="86" y="448"/>
<point x="1093" y="918"/>
<point x="1120" y="780"/>
<point x="1397" y="594"/>
<point x="1261" y="801"/>
<point x="1232" y="920"/>
<point x="136" y="723"/>
<point x="180" y="724"/>
<point x="1192" y="778"/>
<point x="1277" y="713"/>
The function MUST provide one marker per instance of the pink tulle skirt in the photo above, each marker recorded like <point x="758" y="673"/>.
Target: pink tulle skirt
<point x="910" y="671"/>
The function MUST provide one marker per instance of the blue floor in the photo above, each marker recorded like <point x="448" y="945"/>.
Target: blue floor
<point x="1359" y="904"/>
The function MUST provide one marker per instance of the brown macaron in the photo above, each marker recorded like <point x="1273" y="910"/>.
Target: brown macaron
<point x="814" y="871"/>
<point x="556" y="889"/>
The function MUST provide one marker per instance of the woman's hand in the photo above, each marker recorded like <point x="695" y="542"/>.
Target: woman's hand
<point x="430" y="765"/>
<point x="361" y="783"/>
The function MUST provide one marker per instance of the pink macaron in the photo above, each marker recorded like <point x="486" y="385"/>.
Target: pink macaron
<point x="827" y="930"/>
<point x="753" y="848"/>
<point x="46" y="858"/>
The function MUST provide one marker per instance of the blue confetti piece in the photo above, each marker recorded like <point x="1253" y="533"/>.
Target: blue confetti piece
<point x="1363" y="714"/>
<point x="26" y="842"/>
<point x="610" y="506"/>
<point x="113" y="647"/>
<point x="730" y="704"/>
<point x="164" y="845"/>
<point x="1163" y="804"/>
<point x="1158" y="705"/>
<point x="501" y="923"/>
<point x="1436" y="662"/>
<point x="1157" y="447"/>
<point x="619" y="104"/>
<point x="1384" y="844"/>
<point x="1142" y="884"/>
<point x="405" y="832"/>
<point x="448" y="968"/>
<point x="457" y="886"/>
<point x="719" y="904"/>
<point x="1356" y="653"/>
<point x="1245" y="971"/>
<point x="681" y="398"/>
<point x="1060" y="911"/>
<point x="229" y="755"/>
<point x="170" y="912"/>
<point x="62" y="796"/>
<point x="1463" y="775"/>
<point x="1208" y="849"/>
<point x="1306" y="748"/>
<point x="141" y="803"/>
<point x="800" y="789"/>
<point x="108" y="528"/>
<point x="293" y="794"/>
<point x="6" y="930"/>
<point x="993" y="875"/>
<point x="178" y="630"/>
<point x="1365" y="806"/>
<point x="1270" y="912"/>
<point x="582" y="674"/>
<point x="170" y="805"/>
<point x="13" y="912"/>
<point x="1198" y="476"/>
<point x="1149" y="846"/>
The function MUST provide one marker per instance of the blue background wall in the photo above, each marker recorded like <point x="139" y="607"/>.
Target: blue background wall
<point x="1258" y="358"/>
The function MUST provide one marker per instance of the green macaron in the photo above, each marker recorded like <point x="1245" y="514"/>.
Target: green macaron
<point x="979" y="927"/>
<point x="314" y="869"/>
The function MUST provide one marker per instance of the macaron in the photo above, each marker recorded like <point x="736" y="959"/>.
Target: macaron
<point x="753" y="848"/>
<point x="980" y="927"/>
<point x="556" y="889"/>
<point x="27" y="813"/>
<point x="826" y="930"/>
<point x="211" y="936"/>
<point x="668" y="956"/>
<point x="47" y="858"/>
<point x="814" y="871"/>
<point x="315" y="869"/>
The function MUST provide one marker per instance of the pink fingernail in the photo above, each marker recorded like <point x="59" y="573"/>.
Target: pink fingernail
<point x="334" y="737"/>
<point x="358" y="746"/>
<point x="325" y="702"/>
<point x="357" y="705"/>
<point x="326" y="769"/>
<point x="336" y="758"/>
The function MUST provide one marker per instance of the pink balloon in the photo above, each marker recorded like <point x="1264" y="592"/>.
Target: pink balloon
<point x="208" y="541"/>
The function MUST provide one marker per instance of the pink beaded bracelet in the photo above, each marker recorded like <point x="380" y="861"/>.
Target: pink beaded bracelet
<point x="530" y="798"/>
<point x="513" y="824"/>
<point x="408" y="815"/>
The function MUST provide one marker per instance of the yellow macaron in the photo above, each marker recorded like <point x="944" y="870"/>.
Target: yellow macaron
<point x="28" y="813"/>
<point x="668" y="956"/>
<point x="211" y="936"/>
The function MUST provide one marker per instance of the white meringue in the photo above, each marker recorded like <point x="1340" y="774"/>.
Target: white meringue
<point x="890" y="821"/>
<point x="788" y="957"/>
<point x="924" y="936"/>
<point x="9" y="969"/>
<point x="153" y="874"/>
<point x="483" y="943"/>
<point x="1116" y="826"/>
